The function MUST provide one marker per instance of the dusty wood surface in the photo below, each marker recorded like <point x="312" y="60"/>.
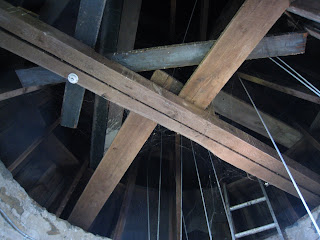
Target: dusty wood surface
<point x="19" y="92"/>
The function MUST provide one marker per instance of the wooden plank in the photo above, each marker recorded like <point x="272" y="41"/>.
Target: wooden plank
<point x="108" y="43"/>
<point x="313" y="30"/>
<point x="132" y="135"/>
<point x="280" y="88"/>
<point x="127" y="36"/>
<point x="153" y="102"/>
<point x="308" y="136"/>
<point x="179" y="55"/>
<point x="33" y="146"/>
<point x="37" y="76"/>
<point x="19" y="92"/>
<point x="71" y="188"/>
<point x="244" y="114"/>
<point x="126" y="202"/>
<point x="309" y="9"/>
<point x="190" y="54"/>
<point x="247" y="28"/>
<point x="87" y="29"/>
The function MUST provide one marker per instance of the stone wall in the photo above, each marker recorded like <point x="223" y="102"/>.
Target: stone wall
<point x="29" y="217"/>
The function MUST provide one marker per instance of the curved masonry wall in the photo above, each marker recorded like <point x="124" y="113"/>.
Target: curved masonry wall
<point x="29" y="217"/>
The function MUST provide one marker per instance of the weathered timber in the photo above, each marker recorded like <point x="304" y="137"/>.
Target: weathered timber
<point x="280" y="88"/>
<point x="126" y="201"/>
<point x="244" y="114"/>
<point x="180" y="55"/>
<point x="116" y="161"/>
<point x="87" y="29"/>
<point x="190" y="54"/>
<point x="126" y="40"/>
<point x="19" y="92"/>
<point x="309" y="9"/>
<point x="108" y="43"/>
<point x="30" y="149"/>
<point x="38" y="76"/>
<point x="152" y="101"/>
<point x="233" y="47"/>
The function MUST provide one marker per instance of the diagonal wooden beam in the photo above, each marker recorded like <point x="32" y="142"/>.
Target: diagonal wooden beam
<point x="132" y="91"/>
<point x="309" y="9"/>
<point x="244" y="32"/>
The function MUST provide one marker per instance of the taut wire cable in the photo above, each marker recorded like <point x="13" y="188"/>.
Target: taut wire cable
<point x="283" y="161"/>
<point x="202" y="197"/>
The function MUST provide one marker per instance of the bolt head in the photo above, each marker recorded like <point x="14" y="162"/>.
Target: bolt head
<point x="73" y="78"/>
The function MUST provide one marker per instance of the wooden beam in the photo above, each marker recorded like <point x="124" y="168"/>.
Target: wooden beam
<point x="132" y="135"/>
<point x="33" y="146"/>
<point x="247" y="28"/>
<point x="19" y="92"/>
<point x="139" y="95"/>
<point x="190" y="54"/>
<point x="309" y="9"/>
<point x="245" y="115"/>
<point x="280" y="88"/>
<point x="87" y="29"/>
<point x="126" y="202"/>
<point x="108" y="43"/>
<point x="127" y="36"/>
<point x="179" y="55"/>
<point x="71" y="188"/>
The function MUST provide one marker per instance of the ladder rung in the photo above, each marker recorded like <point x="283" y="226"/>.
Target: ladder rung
<point x="255" y="230"/>
<point x="249" y="203"/>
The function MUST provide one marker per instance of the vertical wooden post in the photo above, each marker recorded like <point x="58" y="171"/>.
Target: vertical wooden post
<point x="178" y="188"/>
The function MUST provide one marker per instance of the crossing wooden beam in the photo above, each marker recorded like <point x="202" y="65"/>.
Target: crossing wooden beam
<point x="309" y="9"/>
<point x="87" y="29"/>
<point x="143" y="97"/>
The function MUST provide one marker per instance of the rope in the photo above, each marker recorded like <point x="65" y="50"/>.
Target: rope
<point x="284" y="163"/>
<point x="202" y="197"/>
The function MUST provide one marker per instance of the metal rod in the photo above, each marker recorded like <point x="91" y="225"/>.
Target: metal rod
<point x="247" y="204"/>
<point x="228" y="212"/>
<point x="184" y="226"/>
<point x="159" y="197"/>
<point x="202" y="197"/>
<point x="271" y="210"/>
<point x="222" y="199"/>
<point x="148" y="207"/>
<point x="283" y="161"/>
<point x="256" y="230"/>
<point x="181" y="171"/>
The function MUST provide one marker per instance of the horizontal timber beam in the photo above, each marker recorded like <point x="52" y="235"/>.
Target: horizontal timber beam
<point x="139" y="95"/>
<point x="280" y="88"/>
<point x="19" y="92"/>
<point x="190" y="54"/>
<point x="309" y="9"/>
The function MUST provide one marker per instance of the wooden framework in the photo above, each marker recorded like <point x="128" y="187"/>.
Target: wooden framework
<point x="151" y="104"/>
